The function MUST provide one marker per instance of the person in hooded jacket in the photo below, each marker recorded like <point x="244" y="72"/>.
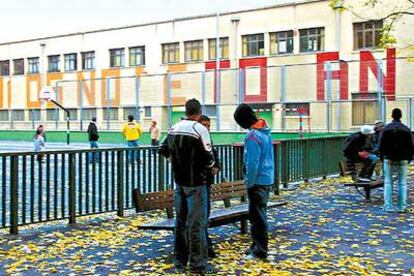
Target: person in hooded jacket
<point x="93" y="140"/>
<point x="357" y="149"/>
<point x="258" y="168"/>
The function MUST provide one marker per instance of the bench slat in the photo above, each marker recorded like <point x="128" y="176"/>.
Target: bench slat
<point x="217" y="217"/>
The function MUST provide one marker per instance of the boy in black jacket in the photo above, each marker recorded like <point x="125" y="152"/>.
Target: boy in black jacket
<point x="396" y="146"/>
<point x="93" y="140"/>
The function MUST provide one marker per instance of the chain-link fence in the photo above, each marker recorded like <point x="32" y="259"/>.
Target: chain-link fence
<point x="323" y="96"/>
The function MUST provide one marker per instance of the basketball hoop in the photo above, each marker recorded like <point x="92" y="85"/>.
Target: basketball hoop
<point x="45" y="93"/>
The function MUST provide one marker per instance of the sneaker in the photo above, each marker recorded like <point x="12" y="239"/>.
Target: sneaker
<point x="211" y="253"/>
<point x="364" y="179"/>
<point x="253" y="257"/>
<point x="179" y="266"/>
<point x="208" y="270"/>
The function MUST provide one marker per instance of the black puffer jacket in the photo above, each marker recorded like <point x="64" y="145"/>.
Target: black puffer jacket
<point x="188" y="146"/>
<point x="396" y="142"/>
<point x="93" y="132"/>
<point x="356" y="143"/>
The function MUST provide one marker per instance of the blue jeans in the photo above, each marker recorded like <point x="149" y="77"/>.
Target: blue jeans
<point x="133" y="155"/>
<point x="400" y="167"/>
<point x="191" y="207"/>
<point x="93" y="156"/>
<point x="258" y="197"/>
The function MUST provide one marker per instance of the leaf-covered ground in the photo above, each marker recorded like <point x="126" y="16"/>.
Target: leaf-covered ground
<point x="327" y="229"/>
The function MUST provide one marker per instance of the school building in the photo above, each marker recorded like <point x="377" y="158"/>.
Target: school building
<point x="304" y="61"/>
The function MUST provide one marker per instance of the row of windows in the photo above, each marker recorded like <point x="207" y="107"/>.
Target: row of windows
<point x="87" y="114"/>
<point x="366" y="35"/>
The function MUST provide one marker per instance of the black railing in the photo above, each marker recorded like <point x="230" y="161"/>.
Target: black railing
<point x="63" y="184"/>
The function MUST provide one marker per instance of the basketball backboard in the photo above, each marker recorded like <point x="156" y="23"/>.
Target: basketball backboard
<point x="46" y="93"/>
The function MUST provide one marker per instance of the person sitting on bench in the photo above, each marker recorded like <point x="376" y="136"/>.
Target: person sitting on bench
<point x="357" y="149"/>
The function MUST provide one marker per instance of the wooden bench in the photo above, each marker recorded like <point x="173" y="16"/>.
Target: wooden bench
<point x="367" y="186"/>
<point x="219" y="192"/>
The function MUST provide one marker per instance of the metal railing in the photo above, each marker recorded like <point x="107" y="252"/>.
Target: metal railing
<point x="56" y="185"/>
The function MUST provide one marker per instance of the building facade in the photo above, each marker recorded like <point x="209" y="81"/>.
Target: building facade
<point x="299" y="62"/>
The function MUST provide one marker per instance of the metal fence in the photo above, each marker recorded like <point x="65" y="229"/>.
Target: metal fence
<point x="332" y="95"/>
<point x="64" y="184"/>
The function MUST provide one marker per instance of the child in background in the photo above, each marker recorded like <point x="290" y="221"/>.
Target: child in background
<point x="39" y="144"/>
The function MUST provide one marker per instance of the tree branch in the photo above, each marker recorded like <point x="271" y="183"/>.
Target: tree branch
<point x="395" y="14"/>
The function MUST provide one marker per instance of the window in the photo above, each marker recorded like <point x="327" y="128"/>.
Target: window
<point x="88" y="113"/>
<point x="88" y="60"/>
<point x="136" y="56"/>
<point x="211" y="110"/>
<point x="147" y="112"/>
<point x="296" y="109"/>
<point x="224" y="48"/>
<point x="130" y="111"/>
<point x="171" y="53"/>
<point x="34" y="114"/>
<point x="365" y="108"/>
<point x="110" y="113"/>
<point x="71" y="62"/>
<point x="281" y="42"/>
<point x="33" y="64"/>
<point x="116" y="57"/>
<point x="73" y="114"/>
<point x="17" y="115"/>
<point x="52" y="114"/>
<point x="54" y="63"/>
<point x="253" y="45"/>
<point x="312" y="40"/>
<point x="4" y="115"/>
<point x="18" y="66"/>
<point x="4" y="68"/>
<point x="193" y="50"/>
<point x="367" y="34"/>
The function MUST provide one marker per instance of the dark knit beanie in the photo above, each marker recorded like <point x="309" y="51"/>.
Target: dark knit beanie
<point x="396" y="114"/>
<point x="245" y="116"/>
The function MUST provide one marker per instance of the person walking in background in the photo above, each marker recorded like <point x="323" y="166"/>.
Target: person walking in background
<point x="188" y="147"/>
<point x="40" y="128"/>
<point x="356" y="149"/>
<point x="396" y="146"/>
<point x="132" y="131"/>
<point x="93" y="140"/>
<point x="210" y="174"/>
<point x="155" y="133"/>
<point x="258" y="167"/>
<point x="39" y="144"/>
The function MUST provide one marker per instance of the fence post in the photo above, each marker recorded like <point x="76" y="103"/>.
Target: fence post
<point x="14" y="194"/>
<point x="169" y="100"/>
<point x="108" y="83"/>
<point x="56" y="107"/>
<point x="285" y="163"/>
<point x="218" y="97"/>
<point x="283" y="95"/>
<point x="81" y="105"/>
<point x="276" y="183"/>
<point x="72" y="194"/>
<point x="120" y="183"/>
<point x="137" y="100"/>
<point x="328" y="95"/>
<point x="203" y="92"/>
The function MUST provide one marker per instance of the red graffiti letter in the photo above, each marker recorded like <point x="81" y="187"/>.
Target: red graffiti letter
<point x="341" y="75"/>
<point x="368" y="61"/>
